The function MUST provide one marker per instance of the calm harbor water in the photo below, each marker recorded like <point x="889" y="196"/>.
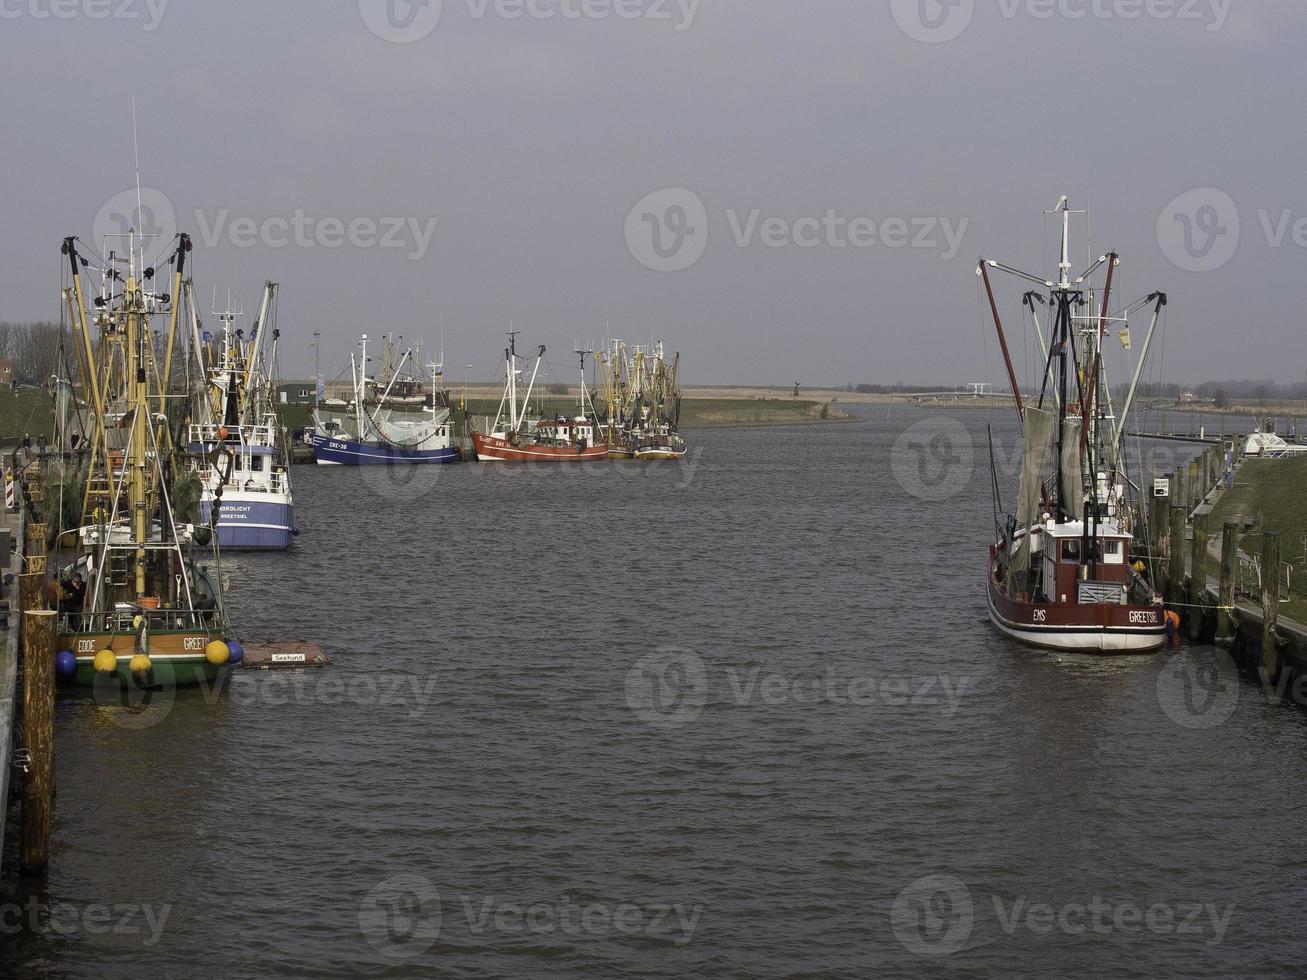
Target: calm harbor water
<point x="738" y="717"/>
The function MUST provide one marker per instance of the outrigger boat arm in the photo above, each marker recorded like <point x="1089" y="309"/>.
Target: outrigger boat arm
<point x="1161" y="300"/>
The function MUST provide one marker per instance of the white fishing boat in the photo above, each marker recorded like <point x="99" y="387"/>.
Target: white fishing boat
<point x="236" y="437"/>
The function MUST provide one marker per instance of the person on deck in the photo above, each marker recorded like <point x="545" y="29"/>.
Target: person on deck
<point x="1173" y="629"/>
<point x="74" y="595"/>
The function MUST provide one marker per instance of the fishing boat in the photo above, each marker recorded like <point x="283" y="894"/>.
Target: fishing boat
<point x="147" y="613"/>
<point x="643" y="402"/>
<point x="516" y="436"/>
<point x="236" y="440"/>
<point x="374" y="429"/>
<point x="1063" y="573"/>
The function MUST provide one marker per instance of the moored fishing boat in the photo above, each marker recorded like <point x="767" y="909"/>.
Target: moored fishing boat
<point x="236" y="440"/>
<point x="643" y="403"/>
<point x="1062" y="574"/>
<point x="134" y="605"/>
<point x="519" y="437"/>
<point x="367" y="431"/>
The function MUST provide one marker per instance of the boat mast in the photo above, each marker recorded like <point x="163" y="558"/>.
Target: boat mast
<point x="511" y="358"/>
<point x="360" y="383"/>
<point x="135" y="465"/>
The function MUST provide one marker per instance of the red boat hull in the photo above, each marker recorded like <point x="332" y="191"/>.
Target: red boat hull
<point x="492" y="450"/>
<point x="1077" y="627"/>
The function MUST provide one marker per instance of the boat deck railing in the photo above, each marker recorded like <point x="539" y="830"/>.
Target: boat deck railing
<point x="272" y="482"/>
<point x="262" y="435"/>
<point x="124" y="620"/>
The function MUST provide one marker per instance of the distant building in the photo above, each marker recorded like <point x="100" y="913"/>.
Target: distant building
<point x="1188" y="396"/>
<point x="296" y="393"/>
<point x="7" y="371"/>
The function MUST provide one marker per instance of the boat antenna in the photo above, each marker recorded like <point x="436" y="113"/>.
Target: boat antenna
<point x="136" y="153"/>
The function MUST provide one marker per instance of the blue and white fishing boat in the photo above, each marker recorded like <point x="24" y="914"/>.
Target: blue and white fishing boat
<point x="237" y="439"/>
<point x="368" y="431"/>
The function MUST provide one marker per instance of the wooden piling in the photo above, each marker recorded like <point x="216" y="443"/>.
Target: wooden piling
<point x="1198" y="580"/>
<point x="1175" y="566"/>
<point x="35" y="545"/>
<point x="1196" y="491"/>
<point x="1270" y="602"/>
<point x="31" y="591"/>
<point x="1229" y="553"/>
<point x="38" y="737"/>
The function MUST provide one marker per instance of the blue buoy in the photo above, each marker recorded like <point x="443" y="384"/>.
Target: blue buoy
<point x="65" y="664"/>
<point x="236" y="651"/>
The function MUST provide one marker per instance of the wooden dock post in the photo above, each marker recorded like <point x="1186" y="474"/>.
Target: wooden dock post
<point x="36" y="556"/>
<point x="1198" y="580"/>
<point x="38" y="736"/>
<point x="1175" y="566"/>
<point x="1196" y="492"/>
<point x="1229" y="553"/>
<point x="31" y="592"/>
<point x="1270" y="602"/>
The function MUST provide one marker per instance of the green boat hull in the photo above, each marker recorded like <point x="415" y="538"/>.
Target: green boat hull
<point x="162" y="673"/>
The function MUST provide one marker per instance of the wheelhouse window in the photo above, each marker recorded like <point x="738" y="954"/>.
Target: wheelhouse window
<point x="1071" y="550"/>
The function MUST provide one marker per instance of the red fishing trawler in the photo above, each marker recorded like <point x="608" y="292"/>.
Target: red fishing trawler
<point x="517" y="437"/>
<point x="1063" y="573"/>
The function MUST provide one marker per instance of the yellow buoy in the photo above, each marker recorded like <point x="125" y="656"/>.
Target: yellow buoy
<point x="140" y="663"/>
<point x="217" y="653"/>
<point x="105" y="662"/>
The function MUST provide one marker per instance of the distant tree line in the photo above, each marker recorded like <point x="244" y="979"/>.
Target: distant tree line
<point x="33" y="348"/>
<point x="1222" y="393"/>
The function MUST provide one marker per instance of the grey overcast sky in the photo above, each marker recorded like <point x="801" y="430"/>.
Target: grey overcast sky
<point x="531" y="131"/>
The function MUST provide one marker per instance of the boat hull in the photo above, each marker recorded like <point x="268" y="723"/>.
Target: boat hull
<point x="490" y="449"/>
<point x="659" y="454"/>
<point x="177" y="658"/>
<point x="348" y="452"/>
<point x="1077" y="628"/>
<point x="252" y="521"/>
